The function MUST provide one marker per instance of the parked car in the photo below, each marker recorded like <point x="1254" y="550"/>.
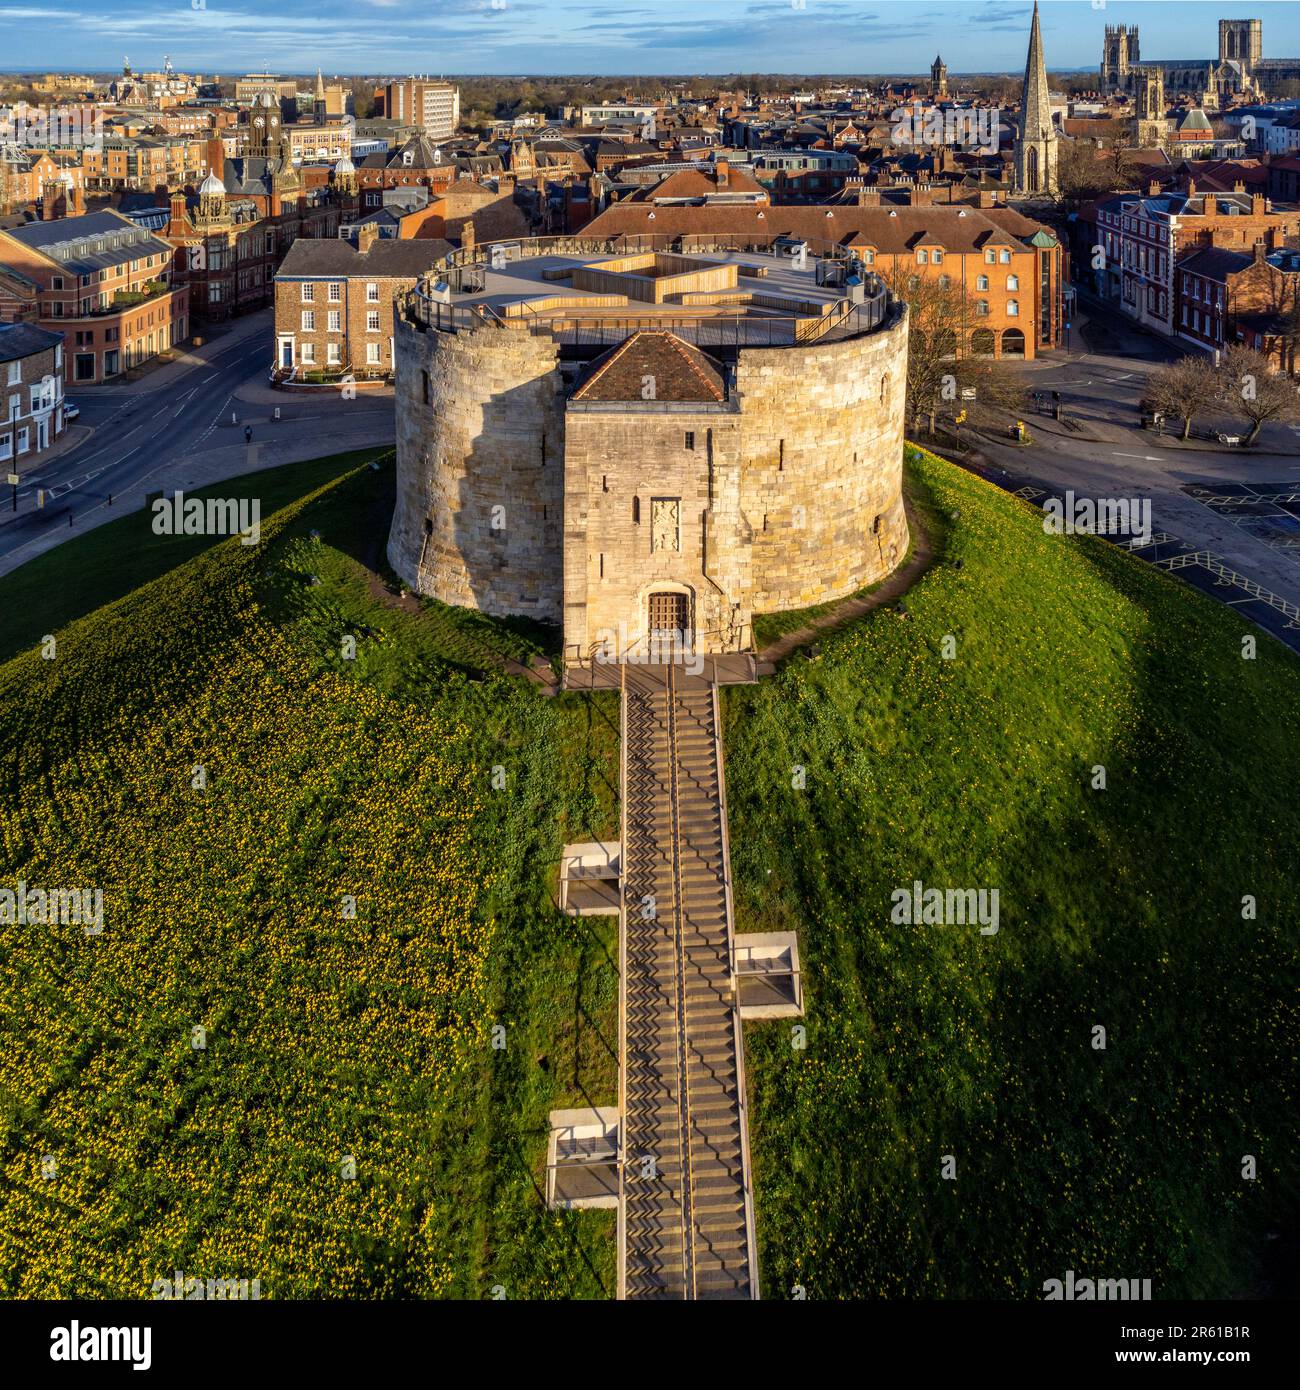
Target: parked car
<point x="70" y="411"/>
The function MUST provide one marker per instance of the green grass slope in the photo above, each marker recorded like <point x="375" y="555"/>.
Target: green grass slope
<point x="331" y="1038"/>
<point x="1120" y="908"/>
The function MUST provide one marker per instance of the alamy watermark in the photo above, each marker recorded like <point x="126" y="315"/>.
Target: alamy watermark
<point x="959" y="907"/>
<point x="179" y="515"/>
<point x="1098" y="516"/>
<point x="1079" y="1290"/>
<point x="962" y="127"/>
<point x="192" y="1289"/>
<point x="66" y="907"/>
<point x="54" y="127"/>
<point x="666" y="647"/>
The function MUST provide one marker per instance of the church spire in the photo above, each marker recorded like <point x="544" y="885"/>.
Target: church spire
<point x="1035" y="151"/>
<point x="1035" y="109"/>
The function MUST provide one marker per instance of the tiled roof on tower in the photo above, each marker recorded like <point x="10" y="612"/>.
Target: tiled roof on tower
<point x="676" y="370"/>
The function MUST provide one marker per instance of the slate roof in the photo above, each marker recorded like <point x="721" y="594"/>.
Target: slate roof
<point x="23" y="339"/>
<point x="86" y="243"/>
<point x="681" y="372"/>
<point x="1215" y="262"/>
<point x="387" y="257"/>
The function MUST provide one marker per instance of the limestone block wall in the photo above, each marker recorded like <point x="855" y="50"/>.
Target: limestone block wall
<point x="823" y="447"/>
<point x="619" y="461"/>
<point x="513" y="500"/>
<point x="480" y="471"/>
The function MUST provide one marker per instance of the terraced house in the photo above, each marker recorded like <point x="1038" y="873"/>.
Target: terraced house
<point x="105" y="285"/>
<point x="31" y="374"/>
<point x="334" y="302"/>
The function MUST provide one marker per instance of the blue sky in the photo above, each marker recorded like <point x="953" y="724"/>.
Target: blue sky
<point x="621" y="36"/>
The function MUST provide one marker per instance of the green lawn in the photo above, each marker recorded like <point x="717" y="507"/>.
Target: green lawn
<point x="1119" y="908"/>
<point x="329" y="1036"/>
<point x="129" y="1153"/>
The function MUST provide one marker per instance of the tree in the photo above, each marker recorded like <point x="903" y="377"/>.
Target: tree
<point x="1248" y="387"/>
<point x="1183" y="390"/>
<point x="939" y="366"/>
<point x="1080" y="173"/>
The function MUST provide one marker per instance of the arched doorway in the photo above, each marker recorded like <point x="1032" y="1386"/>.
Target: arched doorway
<point x="1013" y="343"/>
<point x="981" y="342"/>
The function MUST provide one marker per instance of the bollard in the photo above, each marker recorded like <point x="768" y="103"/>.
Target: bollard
<point x="234" y="419"/>
<point x="277" y="412"/>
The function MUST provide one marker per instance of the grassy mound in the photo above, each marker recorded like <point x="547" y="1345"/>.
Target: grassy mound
<point x="1120" y="908"/>
<point x="328" y="945"/>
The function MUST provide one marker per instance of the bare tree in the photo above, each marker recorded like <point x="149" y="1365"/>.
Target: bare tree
<point x="1081" y="173"/>
<point x="1248" y="387"/>
<point x="1183" y="390"/>
<point x="939" y="365"/>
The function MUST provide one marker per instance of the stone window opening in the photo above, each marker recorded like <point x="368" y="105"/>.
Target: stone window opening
<point x="780" y="457"/>
<point x="636" y="511"/>
<point x="604" y="482"/>
<point x="428" y="389"/>
<point x="884" y="391"/>
<point x="690" y="439"/>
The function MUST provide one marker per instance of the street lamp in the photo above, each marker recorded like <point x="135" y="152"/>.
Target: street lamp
<point x="14" y="480"/>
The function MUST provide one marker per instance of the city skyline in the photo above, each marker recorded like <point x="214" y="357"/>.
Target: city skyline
<point x="469" y="38"/>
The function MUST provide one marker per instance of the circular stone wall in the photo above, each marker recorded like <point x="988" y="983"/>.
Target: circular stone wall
<point x="480" y="469"/>
<point x="823" y="465"/>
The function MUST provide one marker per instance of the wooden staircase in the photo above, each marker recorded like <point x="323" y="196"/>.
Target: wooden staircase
<point x="686" y="1215"/>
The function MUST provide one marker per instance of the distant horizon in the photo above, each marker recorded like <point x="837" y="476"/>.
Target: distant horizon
<point x="583" y="39"/>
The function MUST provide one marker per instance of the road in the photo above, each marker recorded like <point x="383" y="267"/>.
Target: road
<point x="173" y="429"/>
<point x="1101" y="390"/>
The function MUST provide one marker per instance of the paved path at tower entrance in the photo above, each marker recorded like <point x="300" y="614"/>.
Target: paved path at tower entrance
<point x="686" y="1227"/>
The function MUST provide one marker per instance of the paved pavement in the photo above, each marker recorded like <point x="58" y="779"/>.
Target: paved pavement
<point x="173" y="429"/>
<point x="1111" y="456"/>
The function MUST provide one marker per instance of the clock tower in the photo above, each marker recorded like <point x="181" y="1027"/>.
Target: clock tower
<point x="265" y="130"/>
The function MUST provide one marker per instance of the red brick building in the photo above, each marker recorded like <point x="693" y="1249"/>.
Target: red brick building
<point x="1010" y="269"/>
<point x="334" y="302"/>
<point x="105" y="285"/>
<point x="1227" y="297"/>
<point x="31" y="378"/>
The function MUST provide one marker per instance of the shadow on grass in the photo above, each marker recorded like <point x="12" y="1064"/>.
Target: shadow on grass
<point x="1121" y="910"/>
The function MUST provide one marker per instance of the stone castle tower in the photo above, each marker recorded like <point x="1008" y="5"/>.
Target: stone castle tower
<point x="1120" y="53"/>
<point x="1035" y="148"/>
<point x="939" y="77"/>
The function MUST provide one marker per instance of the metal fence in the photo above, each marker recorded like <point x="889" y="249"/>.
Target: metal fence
<point x="726" y="330"/>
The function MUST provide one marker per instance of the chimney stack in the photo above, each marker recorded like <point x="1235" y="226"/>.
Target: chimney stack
<point x="920" y="196"/>
<point x="1239" y="186"/>
<point x="987" y="198"/>
<point x="1258" y="205"/>
<point x="366" y="234"/>
<point x="722" y="173"/>
<point x="1153" y="189"/>
<point x="1259" y="250"/>
<point x="868" y="197"/>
